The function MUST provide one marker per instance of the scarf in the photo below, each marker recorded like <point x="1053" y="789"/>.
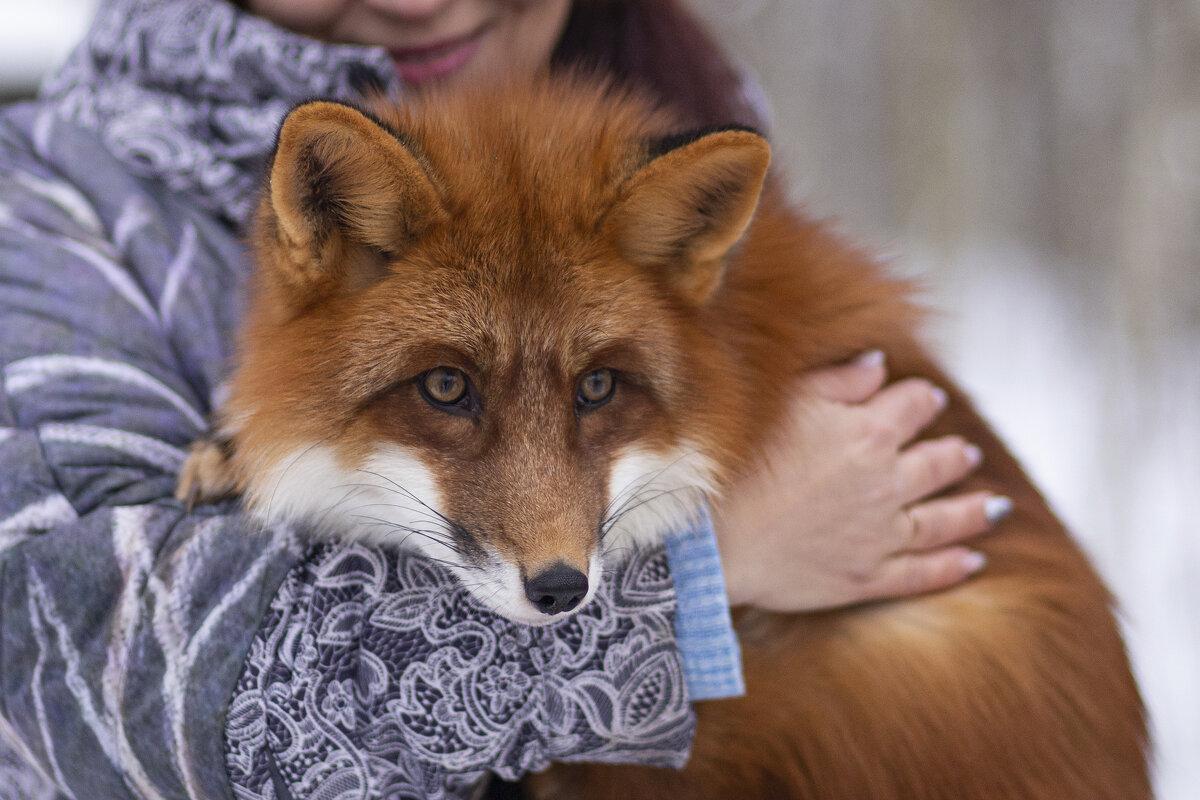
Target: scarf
<point x="192" y="92"/>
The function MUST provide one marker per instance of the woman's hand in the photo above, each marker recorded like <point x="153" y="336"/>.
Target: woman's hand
<point x="837" y="515"/>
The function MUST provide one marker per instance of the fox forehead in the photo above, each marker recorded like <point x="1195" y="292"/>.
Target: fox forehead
<point x="440" y="307"/>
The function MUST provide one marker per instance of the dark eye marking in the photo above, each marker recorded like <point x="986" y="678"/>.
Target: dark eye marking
<point x="594" y="390"/>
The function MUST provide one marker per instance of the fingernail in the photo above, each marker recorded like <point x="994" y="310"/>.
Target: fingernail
<point x="871" y="358"/>
<point x="940" y="397"/>
<point x="974" y="561"/>
<point x="997" y="508"/>
<point x="974" y="454"/>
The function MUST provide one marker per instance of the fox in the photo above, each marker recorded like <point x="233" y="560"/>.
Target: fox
<point x="523" y="328"/>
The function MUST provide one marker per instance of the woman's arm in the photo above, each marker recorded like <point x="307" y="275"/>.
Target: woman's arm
<point x="383" y="668"/>
<point x="123" y="620"/>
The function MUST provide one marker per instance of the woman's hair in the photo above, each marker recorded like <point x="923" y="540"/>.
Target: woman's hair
<point x="657" y="45"/>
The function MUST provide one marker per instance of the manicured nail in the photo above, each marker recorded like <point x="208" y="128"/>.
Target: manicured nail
<point x="940" y="397"/>
<point x="997" y="508"/>
<point x="974" y="454"/>
<point x="869" y="359"/>
<point x="974" y="561"/>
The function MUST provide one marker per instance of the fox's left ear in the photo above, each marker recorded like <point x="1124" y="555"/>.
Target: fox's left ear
<point x="684" y="210"/>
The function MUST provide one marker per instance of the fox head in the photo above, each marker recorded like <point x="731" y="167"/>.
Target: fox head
<point x="478" y="331"/>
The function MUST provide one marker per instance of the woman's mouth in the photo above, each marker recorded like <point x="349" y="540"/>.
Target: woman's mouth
<point x="432" y="62"/>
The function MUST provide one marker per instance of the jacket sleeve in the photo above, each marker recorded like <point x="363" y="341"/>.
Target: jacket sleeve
<point x="125" y="622"/>
<point x="376" y="670"/>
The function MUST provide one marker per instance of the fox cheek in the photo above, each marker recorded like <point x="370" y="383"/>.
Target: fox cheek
<point x="654" y="491"/>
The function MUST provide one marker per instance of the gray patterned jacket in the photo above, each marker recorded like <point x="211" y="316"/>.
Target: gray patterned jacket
<point x="149" y="652"/>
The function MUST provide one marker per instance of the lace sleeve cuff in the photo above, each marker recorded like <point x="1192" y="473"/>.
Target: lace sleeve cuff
<point x="377" y="670"/>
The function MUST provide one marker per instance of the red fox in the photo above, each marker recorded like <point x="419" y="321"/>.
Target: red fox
<point x="524" y="326"/>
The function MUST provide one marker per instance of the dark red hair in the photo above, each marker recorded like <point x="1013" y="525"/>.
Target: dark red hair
<point x="659" y="46"/>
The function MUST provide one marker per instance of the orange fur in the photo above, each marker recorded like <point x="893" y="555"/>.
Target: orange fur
<point x="510" y="234"/>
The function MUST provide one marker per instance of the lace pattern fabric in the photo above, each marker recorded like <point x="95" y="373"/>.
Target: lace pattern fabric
<point x="375" y="672"/>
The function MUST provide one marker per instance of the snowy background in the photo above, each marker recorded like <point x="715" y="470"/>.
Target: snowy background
<point x="1037" y="162"/>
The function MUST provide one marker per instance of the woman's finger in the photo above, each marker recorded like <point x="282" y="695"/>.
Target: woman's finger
<point x="930" y="466"/>
<point x="852" y="382"/>
<point x="910" y="574"/>
<point x="947" y="520"/>
<point x="903" y="409"/>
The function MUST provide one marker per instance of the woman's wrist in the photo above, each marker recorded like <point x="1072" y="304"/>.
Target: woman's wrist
<point x="732" y="564"/>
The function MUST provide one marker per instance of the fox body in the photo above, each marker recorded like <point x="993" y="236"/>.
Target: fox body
<point x="523" y="329"/>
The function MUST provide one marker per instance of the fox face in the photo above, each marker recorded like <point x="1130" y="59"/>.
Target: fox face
<point x="483" y="338"/>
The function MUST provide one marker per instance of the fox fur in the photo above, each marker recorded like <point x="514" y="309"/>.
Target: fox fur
<point x="524" y="237"/>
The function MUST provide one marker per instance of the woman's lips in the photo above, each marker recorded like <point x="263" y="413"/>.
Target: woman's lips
<point x="416" y="65"/>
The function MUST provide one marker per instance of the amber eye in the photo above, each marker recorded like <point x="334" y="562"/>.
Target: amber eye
<point x="595" y="389"/>
<point x="444" y="386"/>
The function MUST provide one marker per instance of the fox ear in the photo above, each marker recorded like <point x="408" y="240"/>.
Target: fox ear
<point x="346" y="194"/>
<point x="682" y="212"/>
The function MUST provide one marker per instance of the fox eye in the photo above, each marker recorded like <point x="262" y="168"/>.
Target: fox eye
<point x="445" y="388"/>
<point x="595" y="389"/>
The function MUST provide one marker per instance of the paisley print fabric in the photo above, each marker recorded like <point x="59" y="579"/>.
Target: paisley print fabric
<point x="375" y="674"/>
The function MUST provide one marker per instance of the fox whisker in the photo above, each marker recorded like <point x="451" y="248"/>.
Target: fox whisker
<point x="296" y="459"/>
<point x="457" y="537"/>
<point x="645" y="497"/>
<point x="416" y="512"/>
<point x="435" y="536"/>
<point x="634" y="492"/>
<point x="424" y="509"/>
<point x="410" y="495"/>
<point x="609" y="550"/>
<point x="499" y="588"/>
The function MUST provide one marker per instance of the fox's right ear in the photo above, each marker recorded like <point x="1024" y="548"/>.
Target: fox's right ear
<point x="346" y="194"/>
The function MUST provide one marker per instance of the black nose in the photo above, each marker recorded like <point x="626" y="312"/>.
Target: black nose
<point x="558" y="589"/>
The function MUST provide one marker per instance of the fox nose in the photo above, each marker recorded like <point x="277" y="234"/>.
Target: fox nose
<point x="556" y="590"/>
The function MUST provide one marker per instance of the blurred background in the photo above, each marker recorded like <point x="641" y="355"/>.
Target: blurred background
<point x="1037" y="164"/>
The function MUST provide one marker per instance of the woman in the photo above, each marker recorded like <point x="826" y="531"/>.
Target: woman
<point x="128" y="622"/>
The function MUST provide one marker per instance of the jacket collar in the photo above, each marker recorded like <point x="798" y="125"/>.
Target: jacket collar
<point x="191" y="92"/>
